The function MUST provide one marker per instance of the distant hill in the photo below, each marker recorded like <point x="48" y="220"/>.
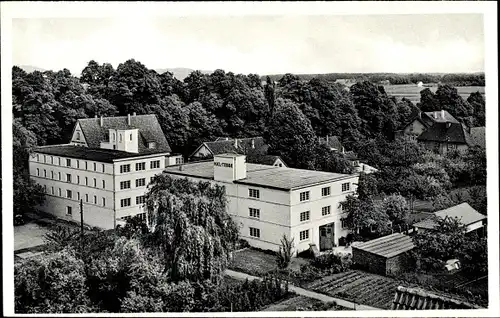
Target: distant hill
<point x="180" y="73"/>
<point x="30" y="68"/>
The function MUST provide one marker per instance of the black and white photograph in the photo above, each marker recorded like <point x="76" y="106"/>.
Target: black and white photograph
<point x="250" y="159"/>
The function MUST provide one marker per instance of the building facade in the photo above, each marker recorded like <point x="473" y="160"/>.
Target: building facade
<point x="268" y="202"/>
<point x="109" y="179"/>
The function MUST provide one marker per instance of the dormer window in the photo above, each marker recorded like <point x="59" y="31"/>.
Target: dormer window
<point x="152" y="145"/>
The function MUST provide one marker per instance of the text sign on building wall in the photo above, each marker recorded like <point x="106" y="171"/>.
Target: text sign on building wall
<point x="223" y="164"/>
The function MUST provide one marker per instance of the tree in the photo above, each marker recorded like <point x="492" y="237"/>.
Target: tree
<point x="291" y="136"/>
<point x="285" y="253"/>
<point x="270" y="95"/>
<point x="362" y="216"/>
<point x="428" y="101"/>
<point x="326" y="160"/>
<point x="51" y="284"/>
<point x="367" y="185"/>
<point x="396" y="208"/>
<point x="191" y="227"/>
<point x="476" y="101"/>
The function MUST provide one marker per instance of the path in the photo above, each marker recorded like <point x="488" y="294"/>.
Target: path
<point x="305" y="292"/>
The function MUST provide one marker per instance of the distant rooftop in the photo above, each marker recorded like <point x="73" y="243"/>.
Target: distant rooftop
<point x="441" y="116"/>
<point x="444" y="132"/>
<point x="387" y="246"/>
<point x="262" y="175"/>
<point x="464" y="212"/>
<point x="93" y="154"/>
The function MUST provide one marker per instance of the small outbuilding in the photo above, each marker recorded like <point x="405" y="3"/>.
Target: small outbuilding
<point x="387" y="255"/>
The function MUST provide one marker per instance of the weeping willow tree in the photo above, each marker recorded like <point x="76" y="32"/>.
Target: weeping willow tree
<point x="190" y="227"/>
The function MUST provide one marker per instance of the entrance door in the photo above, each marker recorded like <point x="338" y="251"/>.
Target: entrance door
<point x="326" y="236"/>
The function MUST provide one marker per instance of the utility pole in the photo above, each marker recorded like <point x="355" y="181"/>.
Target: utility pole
<point x="81" y="223"/>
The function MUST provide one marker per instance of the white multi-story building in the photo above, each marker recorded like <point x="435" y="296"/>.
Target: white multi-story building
<point x="268" y="201"/>
<point x="107" y="165"/>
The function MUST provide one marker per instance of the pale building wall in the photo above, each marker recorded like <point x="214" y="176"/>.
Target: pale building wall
<point x="174" y="160"/>
<point x="202" y="152"/>
<point x="474" y="226"/>
<point x="127" y="140"/>
<point x="416" y="128"/>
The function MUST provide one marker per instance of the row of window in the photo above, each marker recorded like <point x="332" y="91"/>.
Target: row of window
<point x="304" y="196"/>
<point x="74" y="196"/>
<point x="255" y="232"/>
<point x="138" y="183"/>
<point x="67" y="163"/>
<point x="128" y="201"/>
<point x="69" y="178"/>
<point x="304" y="216"/>
<point x="140" y="166"/>
<point x="141" y="216"/>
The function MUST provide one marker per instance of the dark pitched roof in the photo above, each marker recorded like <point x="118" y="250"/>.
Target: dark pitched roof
<point x="221" y="146"/>
<point x="93" y="154"/>
<point x="478" y="136"/>
<point x="148" y="125"/>
<point x="331" y="142"/>
<point x="417" y="115"/>
<point x="446" y="132"/>
<point x="387" y="246"/>
<point x="263" y="159"/>
<point x="464" y="212"/>
<point x="351" y="155"/>
<point x="419" y="299"/>
<point x="441" y="116"/>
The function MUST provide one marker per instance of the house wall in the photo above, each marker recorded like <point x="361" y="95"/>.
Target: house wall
<point x="369" y="261"/>
<point x="441" y="147"/>
<point x="398" y="264"/>
<point x="414" y="129"/>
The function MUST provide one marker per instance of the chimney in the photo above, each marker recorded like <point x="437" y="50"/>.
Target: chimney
<point x="435" y="115"/>
<point x="102" y="121"/>
<point x="253" y="143"/>
<point x="442" y="113"/>
<point x="128" y="119"/>
<point x="235" y="142"/>
<point x="135" y="114"/>
<point x="95" y="116"/>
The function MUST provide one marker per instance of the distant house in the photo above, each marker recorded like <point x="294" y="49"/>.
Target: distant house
<point x="443" y="137"/>
<point x="388" y="255"/>
<point x="254" y="148"/>
<point x="420" y="84"/>
<point x="332" y="142"/>
<point x="419" y="299"/>
<point x="385" y="82"/>
<point x="422" y="121"/>
<point x="464" y="212"/>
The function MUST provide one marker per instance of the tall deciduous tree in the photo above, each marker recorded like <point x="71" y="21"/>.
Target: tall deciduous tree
<point x="476" y="101"/>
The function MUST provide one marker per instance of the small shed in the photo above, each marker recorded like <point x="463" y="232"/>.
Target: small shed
<point x="387" y="255"/>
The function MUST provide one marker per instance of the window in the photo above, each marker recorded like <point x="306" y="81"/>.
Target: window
<point x="140" y="166"/>
<point x="304" y="196"/>
<point x="37" y="172"/>
<point x="78" y="164"/>
<point x="103" y="184"/>
<point x="179" y="161"/>
<point x="142" y="216"/>
<point x="130" y="137"/>
<point x="304" y="235"/>
<point x="124" y="168"/>
<point x="103" y="167"/>
<point x="155" y="164"/>
<point x="342" y="207"/>
<point x="124" y="185"/>
<point x="68" y="162"/>
<point x="140" y="182"/>
<point x="95" y="166"/>
<point x="60" y="193"/>
<point x="114" y="137"/>
<point x="151" y="145"/>
<point x="125" y="202"/>
<point x="86" y="181"/>
<point x="44" y="173"/>
<point x="254" y="213"/>
<point x="37" y="157"/>
<point x="69" y="210"/>
<point x="45" y="188"/>
<point x="345" y="186"/>
<point x="304" y="216"/>
<point x="69" y="194"/>
<point x="253" y="193"/>
<point x="121" y="137"/>
<point x="78" y="179"/>
<point x="326" y="210"/>
<point x="325" y="191"/>
<point x="51" y="160"/>
<point x="59" y="176"/>
<point x="103" y="201"/>
<point x="77" y="135"/>
<point x="86" y="198"/>
<point x="343" y="223"/>
<point x="151" y="179"/>
<point x="44" y="159"/>
<point x="95" y="183"/>
<point x="86" y="165"/>
<point x="59" y="161"/>
<point x="68" y="177"/>
<point x="140" y="199"/>
<point x="78" y="196"/>
<point x="52" y="191"/>
<point x="254" y="232"/>
<point x="95" y="199"/>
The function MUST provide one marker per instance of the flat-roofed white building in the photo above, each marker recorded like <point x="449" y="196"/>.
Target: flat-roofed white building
<point x="269" y="201"/>
<point x="107" y="165"/>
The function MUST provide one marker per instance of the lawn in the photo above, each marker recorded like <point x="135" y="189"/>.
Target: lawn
<point x="412" y="92"/>
<point x="253" y="262"/>
<point x="29" y="236"/>
<point x="302" y="303"/>
<point x="358" y="286"/>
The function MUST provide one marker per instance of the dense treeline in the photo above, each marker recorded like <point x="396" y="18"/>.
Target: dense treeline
<point x="455" y="79"/>
<point x="290" y="113"/>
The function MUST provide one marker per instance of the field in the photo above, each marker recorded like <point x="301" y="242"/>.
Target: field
<point x="412" y="92"/>
<point x="360" y="287"/>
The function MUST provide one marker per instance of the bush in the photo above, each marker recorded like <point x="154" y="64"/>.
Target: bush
<point x="333" y="262"/>
<point x="284" y="256"/>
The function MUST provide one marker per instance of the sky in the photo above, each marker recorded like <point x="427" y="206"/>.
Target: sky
<point x="445" y="43"/>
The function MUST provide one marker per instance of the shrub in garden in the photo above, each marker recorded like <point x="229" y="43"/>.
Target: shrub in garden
<point x="333" y="262"/>
<point x="284" y="256"/>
